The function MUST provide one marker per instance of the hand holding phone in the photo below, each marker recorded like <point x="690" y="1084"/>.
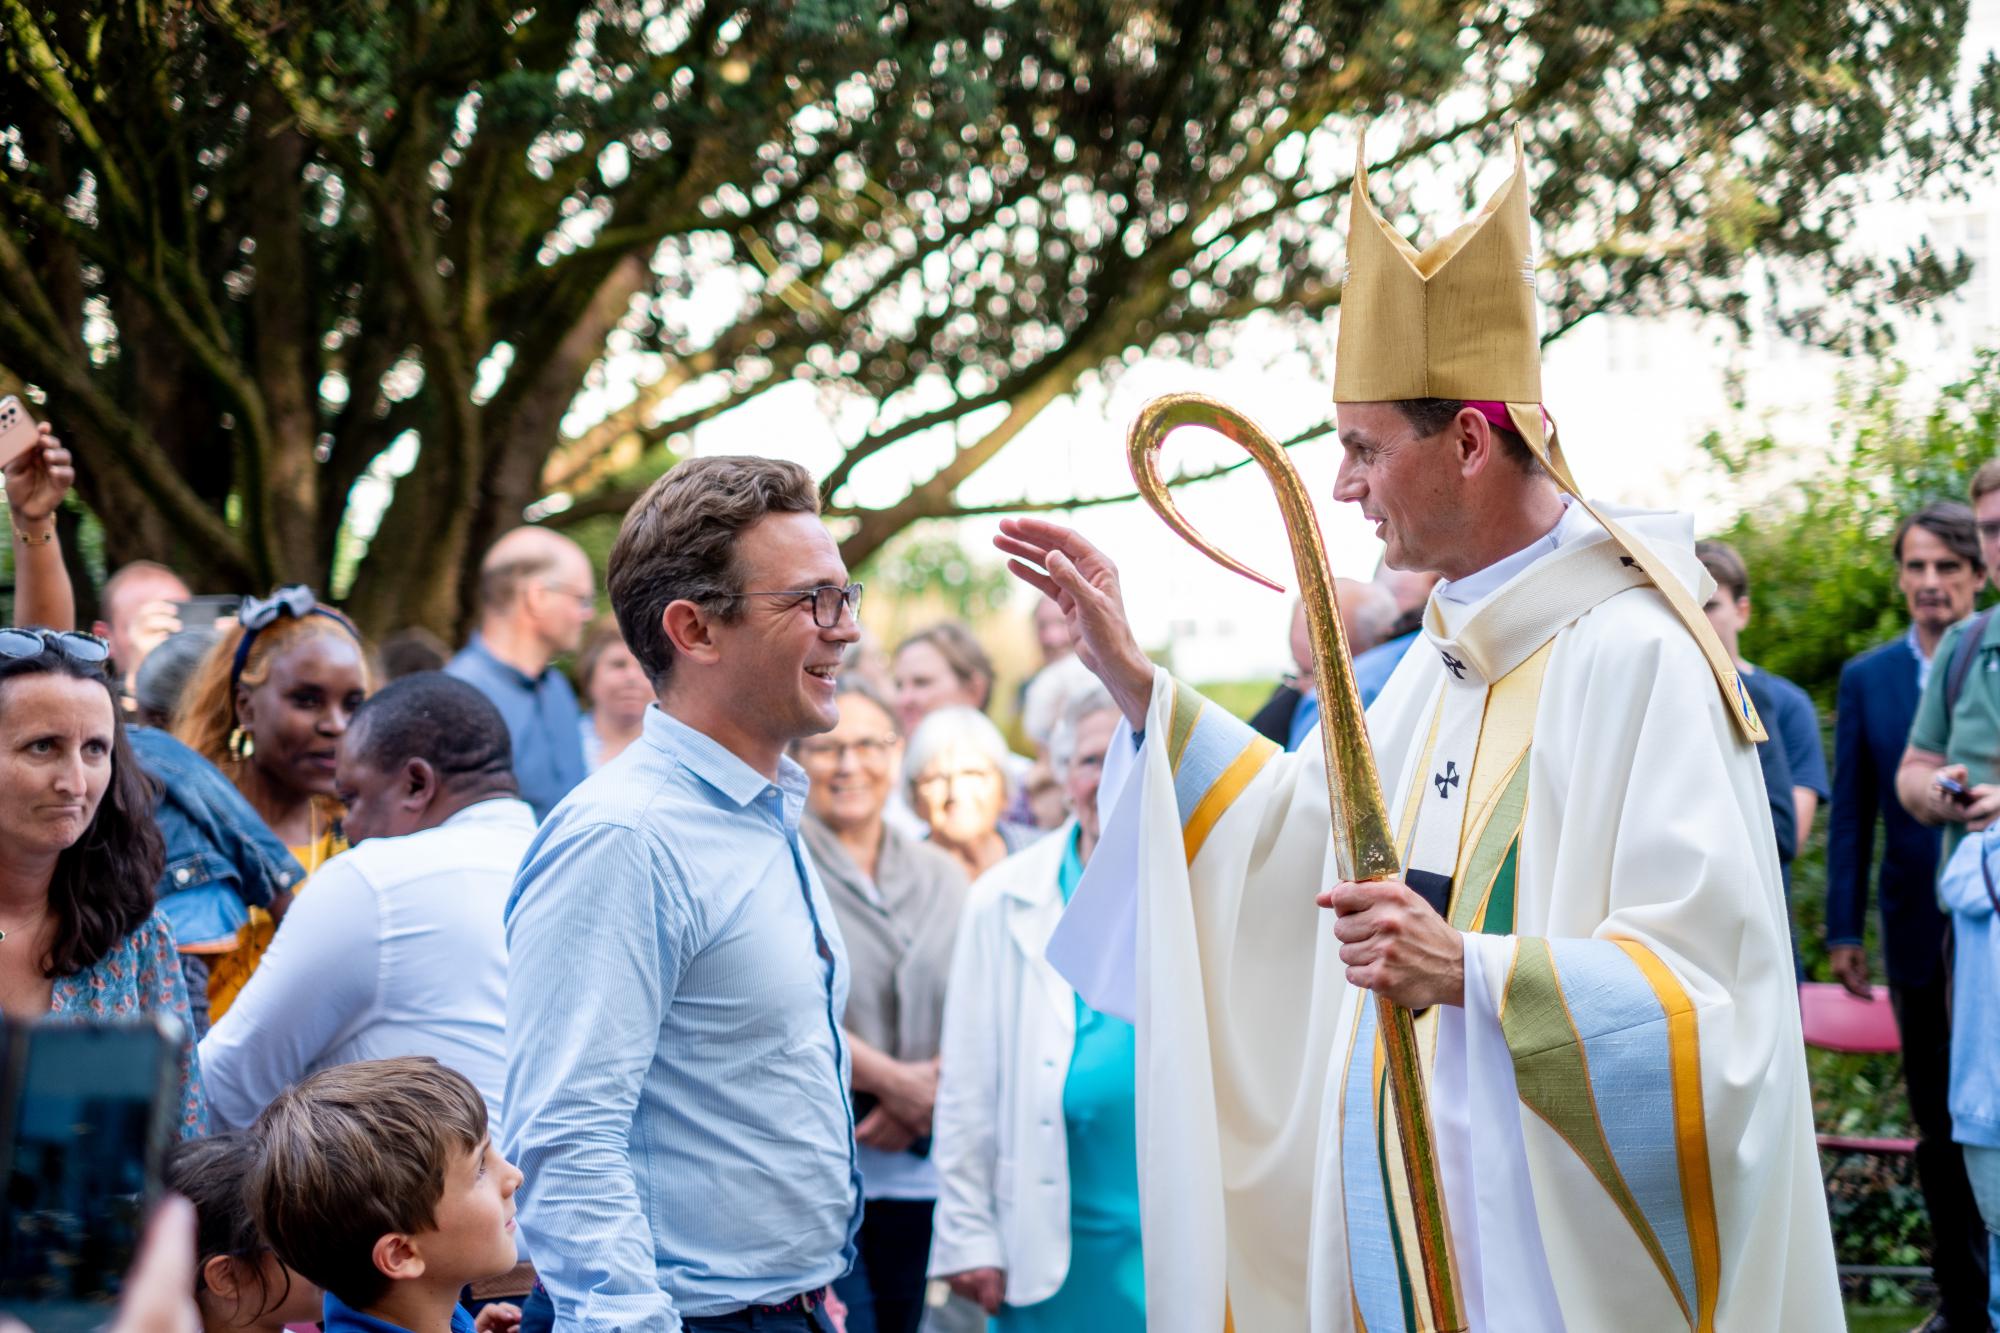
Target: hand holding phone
<point x="38" y="469"/>
<point x="19" y="431"/>
<point x="86" y="1112"/>
<point x="1954" y="791"/>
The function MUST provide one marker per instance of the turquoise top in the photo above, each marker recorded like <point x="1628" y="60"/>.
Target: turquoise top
<point x="1105" y="1291"/>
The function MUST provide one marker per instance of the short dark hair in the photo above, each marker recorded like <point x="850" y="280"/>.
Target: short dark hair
<point x="103" y="885"/>
<point x="210" y="1174"/>
<point x="439" y="719"/>
<point x="408" y="651"/>
<point x="678" y="542"/>
<point x="1724" y="566"/>
<point x="1986" y="480"/>
<point x="1950" y="522"/>
<point x="354" y="1153"/>
<point x="1431" y="415"/>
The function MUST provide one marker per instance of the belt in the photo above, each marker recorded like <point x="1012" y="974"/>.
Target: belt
<point x="803" y="1302"/>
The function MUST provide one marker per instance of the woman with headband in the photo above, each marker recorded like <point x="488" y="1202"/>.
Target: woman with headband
<point x="268" y="706"/>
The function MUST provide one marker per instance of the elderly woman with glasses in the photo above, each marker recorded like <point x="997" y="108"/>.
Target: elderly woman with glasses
<point x="959" y="777"/>
<point x="1037" y="1146"/>
<point x="897" y="902"/>
<point x="80" y="937"/>
<point x="269" y="706"/>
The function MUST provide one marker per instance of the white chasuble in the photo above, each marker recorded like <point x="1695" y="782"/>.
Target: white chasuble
<point x="1621" y="1108"/>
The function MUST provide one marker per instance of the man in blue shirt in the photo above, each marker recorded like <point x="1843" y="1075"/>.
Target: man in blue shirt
<point x="536" y="598"/>
<point x="1938" y="569"/>
<point x="677" y="1081"/>
<point x="1412" y="591"/>
<point x="1787" y="710"/>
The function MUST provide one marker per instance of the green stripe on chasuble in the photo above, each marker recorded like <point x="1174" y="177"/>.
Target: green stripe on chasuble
<point x="1187" y="707"/>
<point x="1383" y="1117"/>
<point x="1478" y="886"/>
<point x="1497" y="917"/>
<point x="1554" y="1079"/>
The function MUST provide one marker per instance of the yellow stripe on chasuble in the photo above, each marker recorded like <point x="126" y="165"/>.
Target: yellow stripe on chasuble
<point x="1496" y="801"/>
<point x="1223" y="794"/>
<point x="1690" y="1128"/>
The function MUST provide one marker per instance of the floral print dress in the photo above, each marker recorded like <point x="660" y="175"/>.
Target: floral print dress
<point x="141" y="975"/>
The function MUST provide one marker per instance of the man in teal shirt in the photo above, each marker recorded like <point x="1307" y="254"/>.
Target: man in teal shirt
<point x="1950" y="774"/>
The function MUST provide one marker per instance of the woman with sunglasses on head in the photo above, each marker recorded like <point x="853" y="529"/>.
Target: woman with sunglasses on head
<point x="268" y="706"/>
<point x="80" y="937"/>
<point x="897" y="902"/>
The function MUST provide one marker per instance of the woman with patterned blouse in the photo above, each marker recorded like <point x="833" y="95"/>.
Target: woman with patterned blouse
<point x="80" y="938"/>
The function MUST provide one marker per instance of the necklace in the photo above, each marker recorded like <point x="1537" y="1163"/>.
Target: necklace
<point x="34" y="920"/>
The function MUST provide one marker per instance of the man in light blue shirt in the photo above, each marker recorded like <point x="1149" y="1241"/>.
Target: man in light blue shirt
<point x="677" y="1078"/>
<point x="536" y="598"/>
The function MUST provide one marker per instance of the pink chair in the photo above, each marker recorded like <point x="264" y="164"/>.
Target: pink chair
<point x="1835" y="1020"/>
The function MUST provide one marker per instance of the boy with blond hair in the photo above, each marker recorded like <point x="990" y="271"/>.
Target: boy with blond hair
<point x="380" y="1182"/>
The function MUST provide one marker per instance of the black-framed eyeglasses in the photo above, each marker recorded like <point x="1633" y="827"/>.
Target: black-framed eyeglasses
<point x="71" y="643"/>
<point x="827" y="600"/>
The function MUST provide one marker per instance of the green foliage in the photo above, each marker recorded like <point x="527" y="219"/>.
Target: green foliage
<point x="246" y="244"/>
<point x="1816" y="536"/>
<point x="1241" y="697"/>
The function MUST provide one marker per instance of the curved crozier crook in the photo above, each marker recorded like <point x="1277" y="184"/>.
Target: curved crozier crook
<point x="1161" y="418"/>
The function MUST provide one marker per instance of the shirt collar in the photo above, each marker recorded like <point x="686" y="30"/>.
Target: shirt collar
<point x="1923" y="660"/>
<point x="341" y="1317"/>
<point x="712" y="762"/>
<point x="477" y="644"/>
<point x="1474" y="586"/>
<point x="496" y="810"/>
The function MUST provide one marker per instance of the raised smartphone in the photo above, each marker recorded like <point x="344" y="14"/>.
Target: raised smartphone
<point x="18" y="430"/>
<point x="87" y="1111"/>
<point x="203" y="612"/>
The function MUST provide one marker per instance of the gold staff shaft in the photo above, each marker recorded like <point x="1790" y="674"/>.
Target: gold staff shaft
<point x="1363" y="842"/>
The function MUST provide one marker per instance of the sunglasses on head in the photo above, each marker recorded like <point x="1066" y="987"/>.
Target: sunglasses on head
<point x="77" y="646"/>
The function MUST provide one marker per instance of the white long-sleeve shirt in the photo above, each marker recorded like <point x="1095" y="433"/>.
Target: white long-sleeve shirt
<point x="397" y="947"/>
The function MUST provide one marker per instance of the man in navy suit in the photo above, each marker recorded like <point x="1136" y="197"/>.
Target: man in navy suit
<point x="1939" y="569"/>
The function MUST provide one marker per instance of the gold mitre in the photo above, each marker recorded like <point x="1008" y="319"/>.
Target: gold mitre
<point x="1457" y="320"/>
<point x="1454" y="321"/>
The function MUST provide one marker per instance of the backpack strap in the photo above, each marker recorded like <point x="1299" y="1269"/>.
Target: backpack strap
<point x="1963" y="654"/>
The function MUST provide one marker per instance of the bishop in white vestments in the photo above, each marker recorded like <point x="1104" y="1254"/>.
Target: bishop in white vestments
<point x="1589" y="921"/>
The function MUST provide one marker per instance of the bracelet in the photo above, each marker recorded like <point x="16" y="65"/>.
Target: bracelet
<point x="26" y="540"/>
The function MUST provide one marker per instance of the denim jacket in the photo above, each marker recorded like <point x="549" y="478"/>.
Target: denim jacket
<point x="222" y="859"/>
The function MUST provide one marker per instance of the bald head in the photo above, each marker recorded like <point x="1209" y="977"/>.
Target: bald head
<point x="1366" y="613"/>
<point x="1408" y="588"/>
<point x="537" y="583"/>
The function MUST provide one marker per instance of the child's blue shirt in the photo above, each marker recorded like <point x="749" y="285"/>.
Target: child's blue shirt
<point x="1975" y="1018"/>
<point x="341" y="1317"/>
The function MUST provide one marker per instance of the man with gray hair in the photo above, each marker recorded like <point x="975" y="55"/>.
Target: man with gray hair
<point x="536" y="597"/>
<point x="1367" y="613"/>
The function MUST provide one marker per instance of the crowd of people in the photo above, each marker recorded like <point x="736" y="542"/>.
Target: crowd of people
<point x="723" y="960"/>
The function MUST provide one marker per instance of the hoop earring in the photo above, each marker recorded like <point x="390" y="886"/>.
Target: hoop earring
<point x="241" y="745"/>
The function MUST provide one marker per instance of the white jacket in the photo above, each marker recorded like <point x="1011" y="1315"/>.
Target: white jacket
<point x="999" y="1141"/>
